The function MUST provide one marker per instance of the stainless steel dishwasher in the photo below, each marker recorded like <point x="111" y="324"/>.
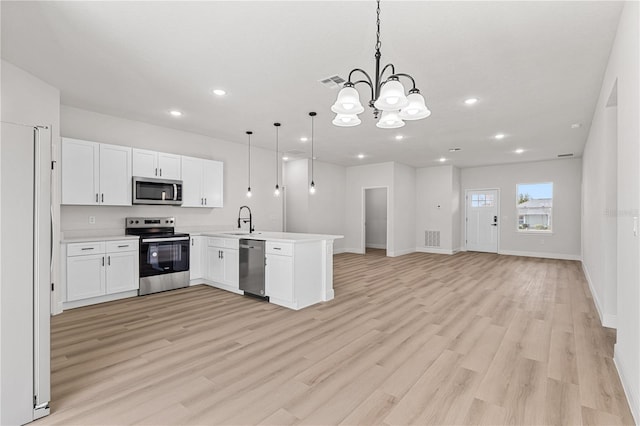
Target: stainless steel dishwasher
<point x="252" y="262"/>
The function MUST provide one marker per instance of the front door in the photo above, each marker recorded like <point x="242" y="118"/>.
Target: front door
<point x="482" y="220"/>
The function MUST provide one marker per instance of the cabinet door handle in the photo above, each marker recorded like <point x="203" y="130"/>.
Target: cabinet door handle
<point x="156" y="172"/>
<point x="192" y="242"/>
<point x="109" y="260"/>
<point x="102" y="260"/>
<point x="160" y="171"/>
<point x="277" y="248"/>
<point x="103" y="197"/>
<point x="202" y="201"/>
<point x="222" y="255"/>
<point x="205" y="201"/>
<point x="87" y="248"/>
<point x="96" y="197"/>
<point x="123" y="246"/>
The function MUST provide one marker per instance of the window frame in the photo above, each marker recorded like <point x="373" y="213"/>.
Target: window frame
<point x="551" y="222"/>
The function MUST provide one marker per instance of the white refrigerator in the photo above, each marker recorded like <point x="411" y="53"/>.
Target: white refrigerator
<point x="25" y="272"/>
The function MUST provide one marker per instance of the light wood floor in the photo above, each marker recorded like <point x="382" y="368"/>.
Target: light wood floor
<point x="419" y="339"/>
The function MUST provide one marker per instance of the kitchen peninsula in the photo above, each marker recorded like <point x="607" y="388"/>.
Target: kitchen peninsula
<point x="298" y="267"/>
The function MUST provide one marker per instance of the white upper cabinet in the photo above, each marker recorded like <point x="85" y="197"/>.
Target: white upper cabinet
<point x="95" y="173"/>
<point x="156" y="164"/>
<point x="80" y="168"/>
<point x="202" y="182"/>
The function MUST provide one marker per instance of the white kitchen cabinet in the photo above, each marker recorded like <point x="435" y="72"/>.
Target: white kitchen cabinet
<point x="202" y="182"/>
<point x="223" y="263"/>
<point x="156" y="164"/>
<point x="196" y="269"/>
<point x="279" y="278"/>
<point x="95" y="173"/>
<point x="97" y="269"/>
<point x="85" y="276"/>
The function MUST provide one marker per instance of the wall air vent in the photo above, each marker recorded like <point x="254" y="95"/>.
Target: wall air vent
<point x="333" y="82"/>
<point x="565" y="155"/>
<point x="432" y="238"/>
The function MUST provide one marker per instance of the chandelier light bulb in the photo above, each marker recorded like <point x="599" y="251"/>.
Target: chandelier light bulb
<point x="248" y="192"/>
<point x="390" y="120"/>
<point x="416" y="109"/>
<point x="346" y="120"/>
<point x="348" y="102"/>
<point x="312" y="188"/>
<point x="277" y="191"/>
<point x="391" y="97"/>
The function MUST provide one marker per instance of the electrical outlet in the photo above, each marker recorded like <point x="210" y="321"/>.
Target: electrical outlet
<point x="92" y="220"/>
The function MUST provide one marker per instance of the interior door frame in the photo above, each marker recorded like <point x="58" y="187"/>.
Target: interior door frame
<point x="363" y="218"/>
<point x="466" y="219"/>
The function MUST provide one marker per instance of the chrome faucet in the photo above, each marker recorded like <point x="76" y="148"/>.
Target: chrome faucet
<point x="245" y="220"/>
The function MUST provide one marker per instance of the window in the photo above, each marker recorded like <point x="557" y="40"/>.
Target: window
<point x="482" y="200"/>
<point x="534" y="204"/>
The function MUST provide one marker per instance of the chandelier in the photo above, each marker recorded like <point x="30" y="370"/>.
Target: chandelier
<point x="388" y="99"/>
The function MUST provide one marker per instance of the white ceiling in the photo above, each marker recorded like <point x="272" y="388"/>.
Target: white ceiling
<point x="536" y="67"/>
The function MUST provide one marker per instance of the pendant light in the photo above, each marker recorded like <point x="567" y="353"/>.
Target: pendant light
<point x="277" y="191"/>
<point x="249" y="133"/>
<point x="312" y="187"/>
<point x="387" y="94"/>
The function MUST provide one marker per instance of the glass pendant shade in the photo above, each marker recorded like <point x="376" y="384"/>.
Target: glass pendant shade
<point x="248" y="192"/>
<point x="390" y="120"/>
<point x="277" y="191"/>
<point x="392" y="97"/>
<point x="346" y="120"/>
<point x="416" y="108"/>
<point x="348" y="102"/>
<point x="312" y="188"/>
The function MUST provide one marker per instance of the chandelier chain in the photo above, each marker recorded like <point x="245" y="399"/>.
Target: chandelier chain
<point x="378" y="43"/>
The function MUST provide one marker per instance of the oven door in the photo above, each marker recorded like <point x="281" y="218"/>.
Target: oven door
<point x="156" y="191"/>
<point x="163" y="255"/>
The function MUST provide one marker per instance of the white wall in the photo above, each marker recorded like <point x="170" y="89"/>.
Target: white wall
<point x="564" y="241"/>
<point x="434" y="207"/>
<point x="376" y="218"/>
<point x="457" y="207"/>
<point x="267" y="209"/>
<point x="599" y="218"/>
<point x="623" y="70"/>
<point x="321" y="212"/>
<point x="404" y="205"/>
<point x="28" y="100"/>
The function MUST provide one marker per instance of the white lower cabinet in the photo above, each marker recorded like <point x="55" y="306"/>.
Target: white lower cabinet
<point x="279" y="278"/>
<point x="222" y="261"/>
<point x="94" y="270"/>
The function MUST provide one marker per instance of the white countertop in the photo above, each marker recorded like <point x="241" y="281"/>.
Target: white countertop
<point x="98" y="238"/>
<point x="288" y="237"/>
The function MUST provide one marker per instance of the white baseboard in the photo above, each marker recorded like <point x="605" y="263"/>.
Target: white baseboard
<point x="339" y="251"/>
<point x="377" y="246"/>
<point x="400" y="252"/>
<point x="542" y="255"/>
<point x="433" y="250"/>
<point x="632" y="396"/>
<point x="607" y="320"/>
<point x="99" y="299"/>
<point x="353" y="250"/>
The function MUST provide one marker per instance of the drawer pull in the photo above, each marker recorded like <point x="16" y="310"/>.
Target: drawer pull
<point x="123" y="246"/>
<point x="277" y="248"/>
<point x="87" y="248"/>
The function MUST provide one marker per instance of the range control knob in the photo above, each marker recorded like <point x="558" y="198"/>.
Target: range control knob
<point x="137" y="221"/>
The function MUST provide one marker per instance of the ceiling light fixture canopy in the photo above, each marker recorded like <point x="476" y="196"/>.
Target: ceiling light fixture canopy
<point x="387" y="95"/>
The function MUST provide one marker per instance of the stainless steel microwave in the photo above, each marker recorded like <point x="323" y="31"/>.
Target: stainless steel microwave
<point x="156" y="191"/>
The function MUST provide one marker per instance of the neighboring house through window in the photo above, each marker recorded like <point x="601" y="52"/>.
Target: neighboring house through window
<point x="534" y="205"/>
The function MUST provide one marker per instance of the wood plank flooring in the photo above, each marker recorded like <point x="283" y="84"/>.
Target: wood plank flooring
<point x="419" y="339"/>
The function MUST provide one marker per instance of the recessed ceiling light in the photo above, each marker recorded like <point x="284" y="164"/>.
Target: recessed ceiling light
<point x="499" y="136"/>
<point x="455" y="149"/>
<point x="442" y="159"/>
<point x="399" y="137"/>
<point x="304" y="139"/>
<point x="471" y="101"/>
<point x="519" y="151"/>
<point x="219" y="92"/>
<point x="285" y="158"/>
<point x="360" y="156"/>
<point x="576" y="125"/>
<point x="175" y="113"/>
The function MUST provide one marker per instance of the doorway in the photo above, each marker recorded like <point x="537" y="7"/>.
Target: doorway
<point x="375" y="220"/>
<point x="483" y="227"/>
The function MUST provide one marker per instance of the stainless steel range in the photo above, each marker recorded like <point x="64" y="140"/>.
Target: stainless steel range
<point x="164" y="253"/>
